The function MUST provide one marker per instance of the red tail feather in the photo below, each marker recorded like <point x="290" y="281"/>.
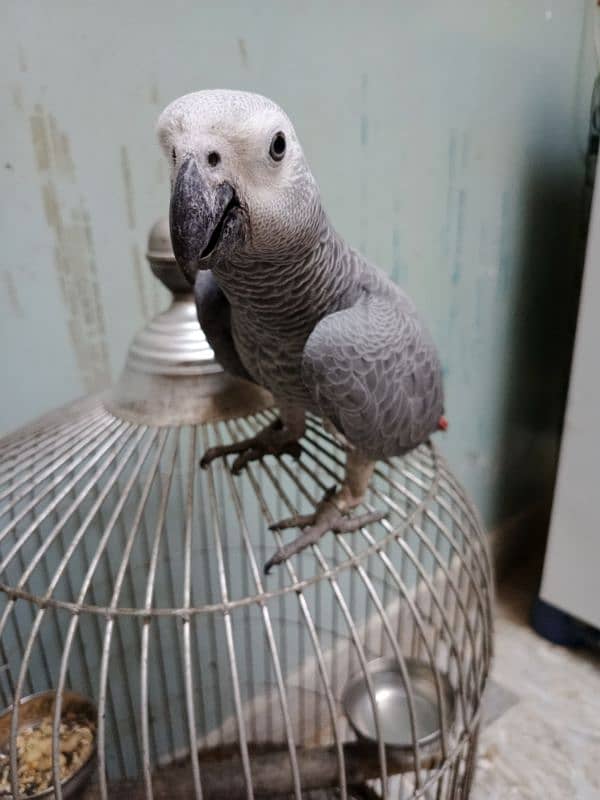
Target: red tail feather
<point x="443" y="424"/>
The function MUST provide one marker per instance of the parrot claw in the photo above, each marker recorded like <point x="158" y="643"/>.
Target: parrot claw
<point x="327" y="517"/>
<point x="209" y="455"/>
<point x="257" y="453"/>
<point x="252" y="454"/>
<point x="271" y="441"/>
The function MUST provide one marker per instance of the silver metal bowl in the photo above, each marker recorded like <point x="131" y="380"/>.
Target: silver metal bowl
<point x="391" y="700"/>
<point x="35" y="709"/>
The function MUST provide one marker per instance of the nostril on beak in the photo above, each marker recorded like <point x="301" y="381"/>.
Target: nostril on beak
<point x="213" y="158"/>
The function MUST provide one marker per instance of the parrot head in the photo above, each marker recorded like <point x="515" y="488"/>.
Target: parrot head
<point x="241" y="189"/>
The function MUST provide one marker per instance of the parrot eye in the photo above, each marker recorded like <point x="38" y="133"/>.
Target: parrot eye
<point x="277" y="148"/>
<point x="213" y="158"/>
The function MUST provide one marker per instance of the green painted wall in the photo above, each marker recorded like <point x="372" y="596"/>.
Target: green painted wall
<point x="448" y="141"/>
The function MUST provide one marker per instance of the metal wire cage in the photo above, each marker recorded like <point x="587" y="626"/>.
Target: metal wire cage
<point x="129" y="576"/>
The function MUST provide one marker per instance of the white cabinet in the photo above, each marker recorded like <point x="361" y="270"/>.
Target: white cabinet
<point x="571" y="579"/>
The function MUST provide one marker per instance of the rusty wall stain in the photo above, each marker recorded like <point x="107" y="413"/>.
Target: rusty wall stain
<point x="22" y="58"/>
<point x="128" y="185"/>
<point x="454" y="233"/>
<point x="12" y="294"/>
<point x="138" y="271"/>
<point x="39" y="138"/>
<point x="364" y="169"/>
<point x="74" y="255"/>
<point x="61" y="150"/>
<point x="17" y="97"/>
<point x="140" y="274"/>
<point x="51" y="210"/>
<point x="243" y="51"/>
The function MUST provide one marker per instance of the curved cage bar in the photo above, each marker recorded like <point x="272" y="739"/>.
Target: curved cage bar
<point x="131" y="577"/>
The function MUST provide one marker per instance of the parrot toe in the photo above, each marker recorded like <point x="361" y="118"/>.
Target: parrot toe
<point x="302" y="520"/>
<point x="326" y="517"/>
<point x="271" y="441"/>
<point x="210" y="455"/>
<point x="252" y="454"/>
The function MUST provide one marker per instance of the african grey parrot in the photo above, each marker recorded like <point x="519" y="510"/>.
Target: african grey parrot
<point x="286" y="303"/>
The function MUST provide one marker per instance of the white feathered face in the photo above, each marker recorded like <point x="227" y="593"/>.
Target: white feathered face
<point x="240" y="186"/>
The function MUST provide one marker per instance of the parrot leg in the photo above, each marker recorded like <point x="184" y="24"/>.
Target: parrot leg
<point x="280" y="437"/>
<point x="331" y="514"/>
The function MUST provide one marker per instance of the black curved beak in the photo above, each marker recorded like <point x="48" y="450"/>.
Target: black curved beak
<point x="196" y="214"/>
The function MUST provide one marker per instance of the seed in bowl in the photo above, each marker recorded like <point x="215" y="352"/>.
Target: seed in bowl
<point x="34" y="754"/>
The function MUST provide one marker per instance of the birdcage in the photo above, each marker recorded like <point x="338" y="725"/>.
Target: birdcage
<point x="134" y="602"/>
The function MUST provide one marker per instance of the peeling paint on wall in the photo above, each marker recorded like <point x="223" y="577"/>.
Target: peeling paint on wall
<point x="154" y="95"/>
<point x="61" y="152"/>
<point x="364" y="142"/>
<point x="10" y="287"/>
<point x="17" y="98"/>
<point x="140" y="270"/>
<point x="74" y="255"/>
<point x="243" y="50"/>
<point x="128" y="185"/>
<point x="40" y="140"/>
<point x="22" y="58"/>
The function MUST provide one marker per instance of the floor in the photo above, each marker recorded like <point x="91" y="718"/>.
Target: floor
<point x="542" y="740"/>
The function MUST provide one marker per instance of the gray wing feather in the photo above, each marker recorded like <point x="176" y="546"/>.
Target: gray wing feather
<point x="214" y="316"/>
<point x="373" y="370"/>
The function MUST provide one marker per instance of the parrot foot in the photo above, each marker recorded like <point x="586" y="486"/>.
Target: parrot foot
<point x="275" y="440"/>
<point x="331" y="514"/>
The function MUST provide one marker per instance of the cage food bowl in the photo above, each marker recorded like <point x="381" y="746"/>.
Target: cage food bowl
<point x="39" y="728"/>
<point x="377" y="703"/>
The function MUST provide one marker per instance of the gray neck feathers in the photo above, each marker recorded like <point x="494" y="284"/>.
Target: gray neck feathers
<point x="294" y="290"/>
